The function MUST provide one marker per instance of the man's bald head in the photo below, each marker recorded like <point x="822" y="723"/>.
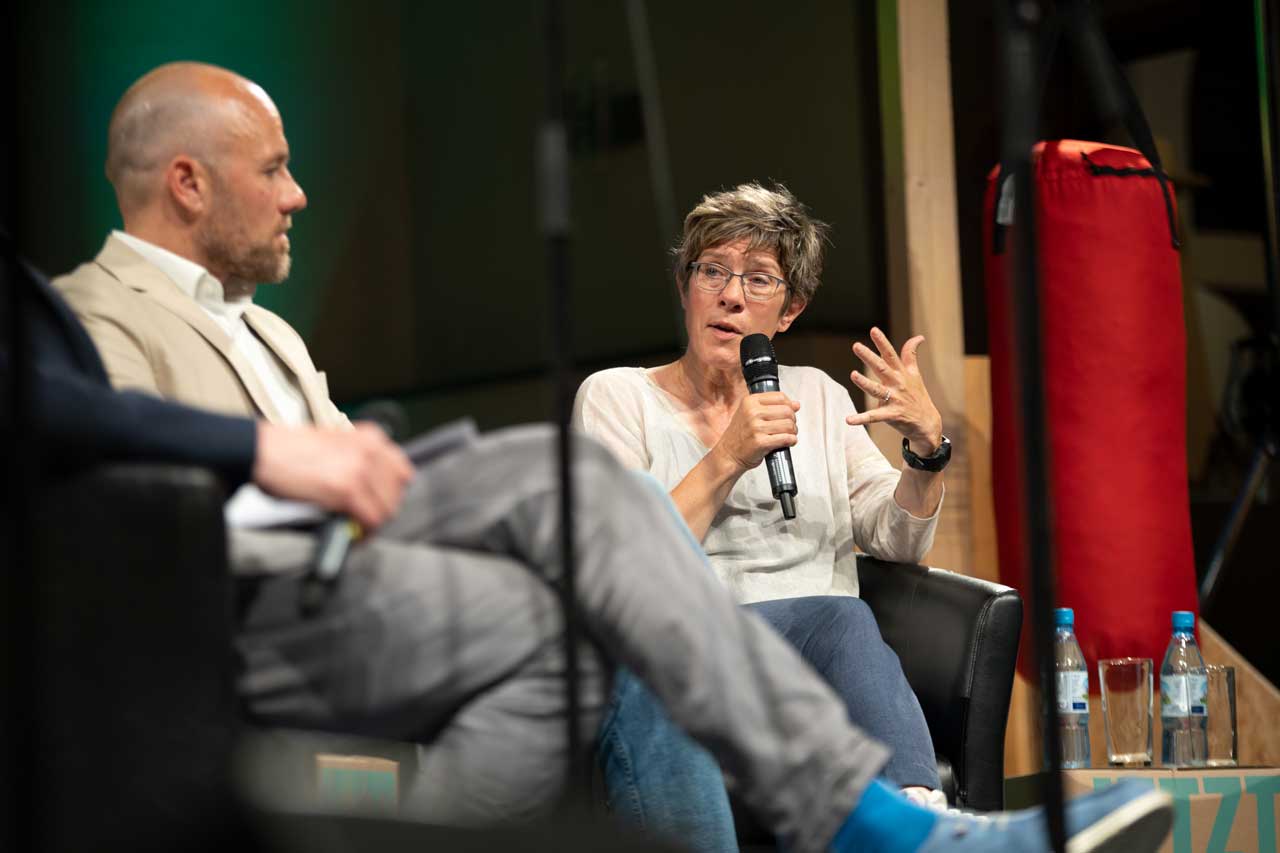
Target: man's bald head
<point x="181" y="108"/>
<point x="200" y="164"/>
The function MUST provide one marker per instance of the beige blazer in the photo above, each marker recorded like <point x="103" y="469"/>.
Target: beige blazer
<point x="155" y="338"/>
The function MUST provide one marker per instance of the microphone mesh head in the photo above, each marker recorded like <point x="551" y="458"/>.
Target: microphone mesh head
<point x="387" y="414"/>
<point x="758" y="360"/>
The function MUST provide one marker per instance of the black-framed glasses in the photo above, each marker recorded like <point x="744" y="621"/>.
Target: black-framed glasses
<point x="756" y="286"/>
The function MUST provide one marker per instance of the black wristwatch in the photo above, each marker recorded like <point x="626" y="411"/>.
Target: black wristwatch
<point x="935" y="461"/>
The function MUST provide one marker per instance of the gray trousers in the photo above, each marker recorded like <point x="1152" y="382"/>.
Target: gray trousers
<point x="445" y="629"/>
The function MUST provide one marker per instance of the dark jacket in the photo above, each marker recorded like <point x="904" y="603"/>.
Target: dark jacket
<point x="76" y="419"/>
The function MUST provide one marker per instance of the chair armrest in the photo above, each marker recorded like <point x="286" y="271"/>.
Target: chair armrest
<point x="957" y="639"/>
<point x="132" y="651"/>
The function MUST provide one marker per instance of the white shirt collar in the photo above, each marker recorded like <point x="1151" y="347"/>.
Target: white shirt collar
<point x="191" y="278"/>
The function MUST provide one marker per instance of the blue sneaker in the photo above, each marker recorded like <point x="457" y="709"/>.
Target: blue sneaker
<point x="1128" y="817"/>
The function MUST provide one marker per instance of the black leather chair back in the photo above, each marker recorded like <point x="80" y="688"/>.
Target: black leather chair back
<point x="957" y="638"/>
<point x="133" y="661"/>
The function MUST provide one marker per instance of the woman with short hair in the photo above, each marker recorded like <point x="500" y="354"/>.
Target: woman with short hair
<point x="750" y="261"/>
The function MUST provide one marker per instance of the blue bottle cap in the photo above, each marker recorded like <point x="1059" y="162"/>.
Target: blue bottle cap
<point x="1064" y="616"/>
<point x="1183" y="620"/>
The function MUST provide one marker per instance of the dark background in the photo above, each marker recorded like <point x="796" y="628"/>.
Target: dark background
<point x="419" y="273"/>
<point x="418" y="270"/>
<point x="1222" y="111"/>
<point x="1221" y="192"/>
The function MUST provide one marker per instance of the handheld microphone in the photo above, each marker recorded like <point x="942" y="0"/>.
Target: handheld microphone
<point x="336" y="536"/>
<point x="333" y="541"/>
<point x="389" y="415"/>
<point x="760" y="369"/>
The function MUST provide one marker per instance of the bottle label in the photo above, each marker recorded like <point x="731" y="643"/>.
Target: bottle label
<point x="1073" y="692"/>
<point x="1198" y="694"/>
<point x="1184" y="696"/>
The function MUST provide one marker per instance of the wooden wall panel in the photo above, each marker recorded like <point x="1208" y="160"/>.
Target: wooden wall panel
<point x="922" y="253"/>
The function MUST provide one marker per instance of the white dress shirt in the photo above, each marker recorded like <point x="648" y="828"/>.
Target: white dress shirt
<point x="195" y="281"/>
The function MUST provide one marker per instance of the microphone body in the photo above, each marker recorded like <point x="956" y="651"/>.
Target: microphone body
<point x="333" y="541"/>
<point x="760" y="369"/>
<point x="336" y="536"/>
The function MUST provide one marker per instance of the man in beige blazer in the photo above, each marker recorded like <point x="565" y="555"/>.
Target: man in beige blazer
<point x="445" y="626"/>
<point x="168" y="301"/>
<point x="154" y="337"/>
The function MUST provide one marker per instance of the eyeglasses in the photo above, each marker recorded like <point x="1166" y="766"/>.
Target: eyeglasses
<point x="756" y="286"/>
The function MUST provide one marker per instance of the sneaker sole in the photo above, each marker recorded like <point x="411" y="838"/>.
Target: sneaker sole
<point x="1138" y="825"/>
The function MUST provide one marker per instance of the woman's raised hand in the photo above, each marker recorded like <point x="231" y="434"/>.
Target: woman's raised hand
<point x="761" y="424"/>
<point x="896" y="382"/>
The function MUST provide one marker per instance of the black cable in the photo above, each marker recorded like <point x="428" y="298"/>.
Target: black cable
<point x="655" y="139"/>
<point x="1019" y="20"/>
<point x="553" y="186"/>
<point x="1114" y="96"/>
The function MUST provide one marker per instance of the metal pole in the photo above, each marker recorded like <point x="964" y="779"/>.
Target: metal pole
<point x="1019" y="20"/>
<point x="553" y="187"/>
<point x="655" y="138"/>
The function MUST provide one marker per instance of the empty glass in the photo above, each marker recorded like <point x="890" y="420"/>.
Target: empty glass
<point x="1126" y="710"/>
<point x="1221" y="702"/>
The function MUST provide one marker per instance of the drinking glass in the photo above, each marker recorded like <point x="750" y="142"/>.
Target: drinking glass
<point x="1126" y="710"/>
<point x="1222" y="716"/>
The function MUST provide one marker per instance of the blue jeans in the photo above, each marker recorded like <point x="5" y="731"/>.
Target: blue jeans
<point x="662" y="782"/>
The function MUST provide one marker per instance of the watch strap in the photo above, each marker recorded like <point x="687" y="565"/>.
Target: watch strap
<point x="934" y="462"/>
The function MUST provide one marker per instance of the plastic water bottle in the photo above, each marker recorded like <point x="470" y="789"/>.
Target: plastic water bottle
<point x="1184" y="687"/>
<point x="1073" y="691"/>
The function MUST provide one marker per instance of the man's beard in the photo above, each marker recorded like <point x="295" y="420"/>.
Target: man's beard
<point x="228" y="249"/>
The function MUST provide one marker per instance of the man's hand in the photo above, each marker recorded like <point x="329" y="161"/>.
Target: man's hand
<point x="358" y="472"/>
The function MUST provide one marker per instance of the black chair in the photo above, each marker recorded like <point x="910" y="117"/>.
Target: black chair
<point x="957" y="639"/>
<point x="134" y="703"/>
<point x="133" y="668"/>
<point x="134" y="663"/>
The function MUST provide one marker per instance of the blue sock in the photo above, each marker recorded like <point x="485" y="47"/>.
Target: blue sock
<point x="884" y="821"/>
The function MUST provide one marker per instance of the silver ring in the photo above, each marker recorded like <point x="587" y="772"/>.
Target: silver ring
<point x="887" y="396"/>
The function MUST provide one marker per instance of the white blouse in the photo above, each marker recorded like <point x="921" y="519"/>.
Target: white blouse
<point x="845" y="485"/>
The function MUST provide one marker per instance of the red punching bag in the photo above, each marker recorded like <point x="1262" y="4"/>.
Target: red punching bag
<point x="1115" y="395"/>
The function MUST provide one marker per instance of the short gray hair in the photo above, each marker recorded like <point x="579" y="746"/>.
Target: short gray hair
<point x="768" y="218"/>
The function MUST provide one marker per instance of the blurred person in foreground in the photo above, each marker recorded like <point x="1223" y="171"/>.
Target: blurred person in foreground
<point x="750" y="261"/>
<point x="445" y="629"/>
